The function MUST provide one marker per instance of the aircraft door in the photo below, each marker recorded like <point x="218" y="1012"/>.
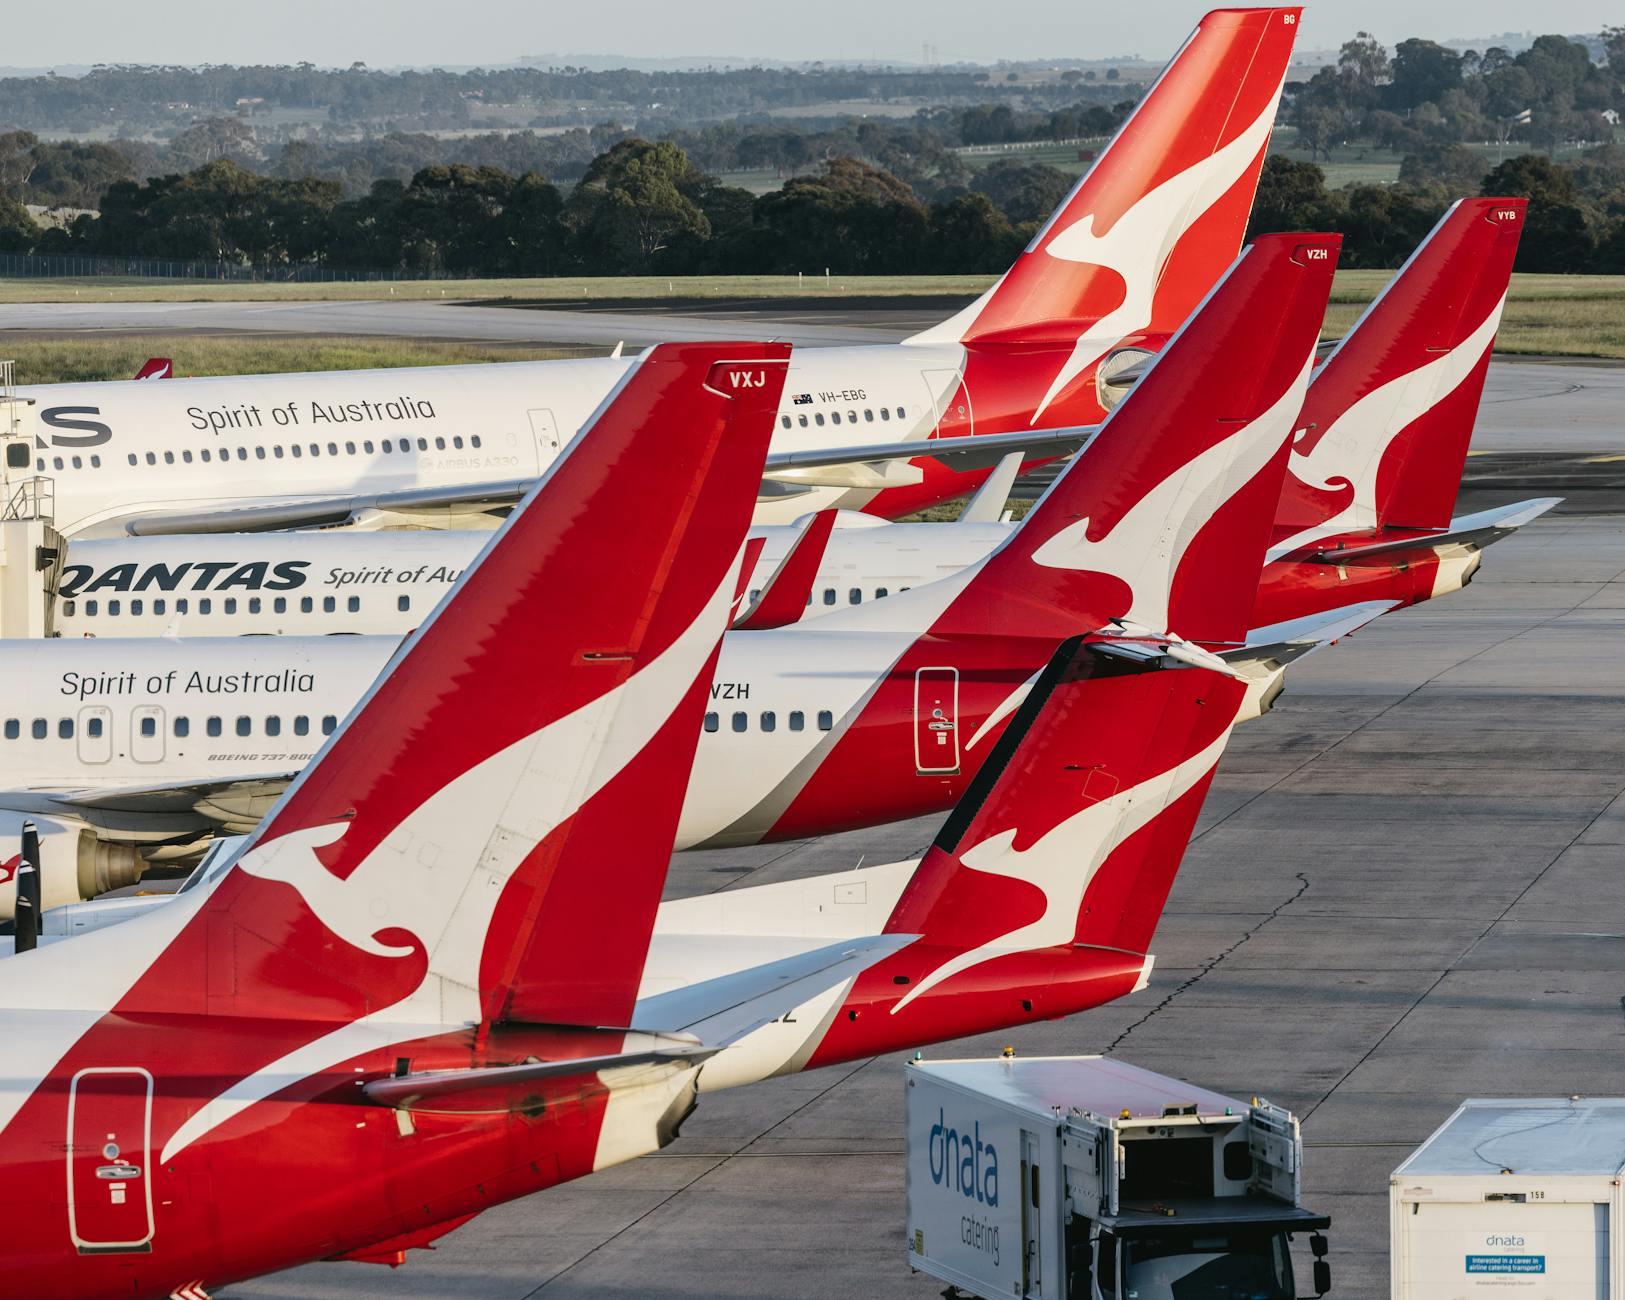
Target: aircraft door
<point x="936" y="721"/>
<point x="109" y="1174"/>
<point x="147" y="734"/>
<point x="95" y="732"/>
<point x="950" y="401"/>
<point x="546" y="430"/>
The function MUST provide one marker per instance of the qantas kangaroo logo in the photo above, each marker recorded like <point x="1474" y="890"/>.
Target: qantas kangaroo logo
<point x="1138" y="244"/>
<point x="1063" y="862"/>
<point x="1349" y="454"/>
<point x="1138" y="548"/>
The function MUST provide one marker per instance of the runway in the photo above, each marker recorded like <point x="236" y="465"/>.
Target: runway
<point x="1405" y="889"/>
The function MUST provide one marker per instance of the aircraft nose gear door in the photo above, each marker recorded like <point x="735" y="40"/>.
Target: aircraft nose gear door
<point x="936" y="721"/>
<point x="109" y="1178"/>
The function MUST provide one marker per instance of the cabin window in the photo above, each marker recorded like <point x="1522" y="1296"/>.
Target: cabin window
<point x="90" y="609"/>
<point x="159" y="605"/>
<point x="279" y="605"/>
<point x="367" y="446"/>
<point x="473" y="440"/>
<point x="884" y="413"/>
<point x="253" y="604"/>
<point x="64" y="728"/>
<point x="423" y="444"/>
<point x="855" y="596"/>
<point x="332" y="449"/>
<point x="212" y="726"/>
<point x="187" y="457"/>
<point x="182" y="728"/>
<point x="149" y="726"/>
<point x="797" y="720"/>
<point x="182" y="604"/>
<point x="834" y="417"/>
<point x="353" y="604"/>
<point x="899" y="412"/>
<point x="829" y="595"/>
<point x="387" y="445"/>
<point x="785" y="421"/>
<point x="315" y="449"/>
<point x="457" y="441"/>
<point x="112" y="608"/>
<point x="307" y="604"/>
<point x="242" y="453"/>
<point x="204" y="455"/>
<point x="39" y="465"/>
<point x="78" y="463"/>
<point x="229" y="604"/>
<point x="711" y="722"/>
<point x="276" y="451"/>
<point x="818" y="419"/>
<point x="205" y="605"/>
<point x="329" y="604"/>
<point x="301" y="725"/>
<point x="151" y="459"/>
<point x="14" y="729"/>
<point x="880" y="593"/>
<point x="93" y="727"/>
<point x="135" y="607"/>
<point x="803" y="420"/>
<point x="403" y="604"/>
<point x="259" y="453"/>
<point x="245" y="726"/>
<point x="273" y="725"/>
<point x="868" y="415"/>
<point x="294" y="448"/>
<point x="769" y="721"/>
<point x="57" y="461"/>
<point x="67" y="609"/>
<point x="349" y="449"/>
<point x="740" y="721"/>
<point x="132" y="458"/>
<point x="826" y="719"/>
<point x="440" y="444"/>
<point x="38" y="729"/>
<point x="329" y="725"/>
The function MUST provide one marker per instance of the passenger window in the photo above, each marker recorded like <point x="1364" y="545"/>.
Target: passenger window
<point x="95" y="462"/>
<point x="868" y="415"/>
<point x="244" y="726"/>
<point x="151" y="460"/>
<point x="803" y="420"/>
<point x="880" y="593"/>
<point x="295" y="450"/>
<point x="212" y="726"/>
<point x="457" y="441"/>
<point x="440" y="444"/>
<point x="387" y="446"/>
<point x="329" y="725"/>
<point x="187" y="457"/>
<point x="273" y="725"/>
<point x="315" y="449"/>
<point x="329" y="604"/>
<point x="67" y="609"/>
<point x="149" y="726"/>
<point x="884" y="413"/>
<point x="205" y="605"/>
<point x="14" y="729"/>
<point x="182" y="604"/>
<point x="159" y="606"/>
<point x="229" y="604"/>
<point x="112" y="608"/>
<point x="473" y="440"/>
<point x="405" y="602"/>
<point x="423" y="444"/>
<point x="710" y="722"/>
<point x="276" y="451"/>
<point x="90" y="609"/>
<point x="301" y="725"/>
<point x="169" y="458"/>
<point x="135" y="607"/>
<point x="829" y="595"/>
<point x="183" y="728"/>
<point x="78" y="463"/>
<point x="93" y="727"/>
<point x="332" y="449"/>
<point x="740" y="721"/>
<point x="852" y="417"/>
<point x="204" y="454"/>
<point x="132" y="458"/>
<point x="306" y="604"/>
<point x="253" y="604"/>
<point x="798" y="720"/>
<point x="279" y="605"/>
<point x="353" y="604"/>
<point x="818" y="419"/>
<point x="367" y="446"/>
<point x="826" y="719"/>
<point x="783" y="419"/>
<point x="64" y="728"/>
<point x="38" y="729"/>
<point x="899" y="412"/>
<point x="259" y="453"/>
<point x="769" y="721"/>
<point x="855" y="596"/>
<point x="56" y="461"/>
<point x="242" y="453"/>
<point x="834" y="417"/>
<point x="349" y="449"/>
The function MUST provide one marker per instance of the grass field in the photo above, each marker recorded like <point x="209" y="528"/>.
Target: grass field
<point x="563" y="290"/>
<point x="74" y="360"/>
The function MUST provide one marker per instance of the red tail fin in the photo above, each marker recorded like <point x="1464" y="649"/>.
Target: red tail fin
<point x="1074" y="828"/>
<point x="157" y="368"/>
<point x="496" y="817"/>
<point x="1163" y="518"/>
<point x="1161" y="213"/>
<point x="1389" y="416"/>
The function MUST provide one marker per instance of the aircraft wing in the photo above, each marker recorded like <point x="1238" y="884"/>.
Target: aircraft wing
<point x="1472" y="532"/>
<point x="725" y="1009"/>
<point x="786" y="471"/>
<point x="233" y="804"/>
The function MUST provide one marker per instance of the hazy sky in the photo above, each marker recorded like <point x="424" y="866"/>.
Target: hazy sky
<point x="423" y="32"/>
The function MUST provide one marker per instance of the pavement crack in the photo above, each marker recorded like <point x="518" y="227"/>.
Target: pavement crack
<point x="1208" y="966"/>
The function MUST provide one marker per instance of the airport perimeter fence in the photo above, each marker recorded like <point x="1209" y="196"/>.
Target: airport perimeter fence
<point x="53" y="267"/>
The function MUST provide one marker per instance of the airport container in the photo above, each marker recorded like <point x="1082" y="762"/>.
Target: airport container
<point x="1513" y="1197"/>
<point x="1086" y="1178"/>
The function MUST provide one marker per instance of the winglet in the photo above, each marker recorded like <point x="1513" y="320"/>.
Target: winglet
<point x="788" y="590"/>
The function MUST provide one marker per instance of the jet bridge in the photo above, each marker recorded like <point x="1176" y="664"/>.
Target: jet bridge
<point x="31" y="550"/>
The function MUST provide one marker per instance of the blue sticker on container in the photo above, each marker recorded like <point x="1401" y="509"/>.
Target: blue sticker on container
<point x="1506" y="1263"/>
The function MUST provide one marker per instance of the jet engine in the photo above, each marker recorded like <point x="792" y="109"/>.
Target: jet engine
<point x="74" y="862"/>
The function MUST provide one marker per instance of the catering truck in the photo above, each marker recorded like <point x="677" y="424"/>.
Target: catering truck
<point x="1086" y="1178"/>
<point x="1513" y="1197"/>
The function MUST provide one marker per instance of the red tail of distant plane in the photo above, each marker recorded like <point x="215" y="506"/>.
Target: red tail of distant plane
<point x="157" y="368"/>
<point x="1389" y="415"/>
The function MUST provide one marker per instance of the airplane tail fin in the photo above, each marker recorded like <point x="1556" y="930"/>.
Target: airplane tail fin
<point x="156" y="368"/>
<point x="494" y="819"/>
<point x="1072" y="831"/>
<point x="1161" y="521"/>
<point x="1389" y="415"/>
<point x="1161" y="212"/>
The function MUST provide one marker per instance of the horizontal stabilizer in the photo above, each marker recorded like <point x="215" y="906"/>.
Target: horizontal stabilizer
<point x="533" y="1084"/>
<point x="1471" y="532"/>
<point x="1273" y="647"/>
<point x="722" y="1010"/>
<point x="788" y="591"/>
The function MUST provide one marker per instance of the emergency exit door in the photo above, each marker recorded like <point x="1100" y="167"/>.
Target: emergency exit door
<point x="936" y="721"/>
<point x="546" y="430"/>
<point x="109" y="1178"/>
